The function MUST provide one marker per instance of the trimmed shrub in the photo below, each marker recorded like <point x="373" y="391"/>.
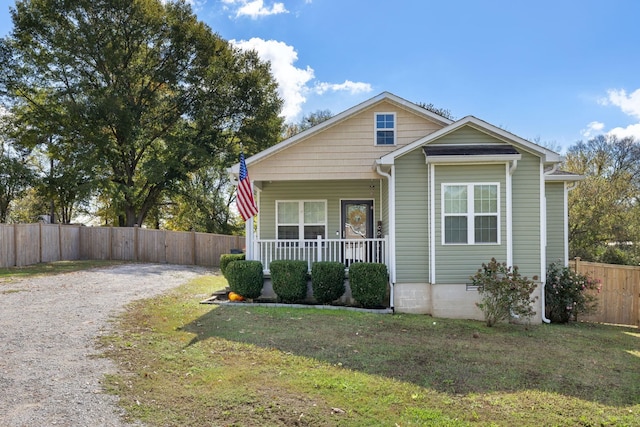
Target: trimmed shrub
<point x="368" y="283"/>
<point x="225" y="259"/>
<point x="327" y="280"/>
<point x="245" y="278"/>
<point x="289" y="279"/>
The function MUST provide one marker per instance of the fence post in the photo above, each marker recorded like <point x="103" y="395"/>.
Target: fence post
<point x="136" y="246"/>
<point x="577" y="264"/>
<point x="60" y="242"/>
<point x="193" y="237"/>
<point x="40" y="240"/>
<point x="15" y="245"/>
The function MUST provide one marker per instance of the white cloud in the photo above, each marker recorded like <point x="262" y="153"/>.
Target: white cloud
<point x="255" y="8"/>
<point x="291" y="80"/>
<point x="294" y="84"/>
<point x="353" y="88"/>
<point x="629" y="104"/>
<point x="631" y="130"/>
<point x="592" y="129"/>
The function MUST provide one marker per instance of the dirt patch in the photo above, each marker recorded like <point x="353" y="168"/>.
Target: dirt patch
<point x="49" y="374"/>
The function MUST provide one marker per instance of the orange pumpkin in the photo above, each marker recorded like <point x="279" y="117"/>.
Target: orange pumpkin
<point x="235" y="297"/>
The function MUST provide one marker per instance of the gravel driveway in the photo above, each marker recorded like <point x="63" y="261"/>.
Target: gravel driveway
<point x="48" y="327"/>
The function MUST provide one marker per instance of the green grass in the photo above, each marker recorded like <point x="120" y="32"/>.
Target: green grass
<point x="12" y="273"/>
<point x="187" y="364"/>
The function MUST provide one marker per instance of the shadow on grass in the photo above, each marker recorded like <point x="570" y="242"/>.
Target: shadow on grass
<point x="597" y="363"/>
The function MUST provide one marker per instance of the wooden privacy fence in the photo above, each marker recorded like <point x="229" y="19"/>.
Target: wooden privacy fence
<point x="619" y="298"/>
<point x="25" y="244"/>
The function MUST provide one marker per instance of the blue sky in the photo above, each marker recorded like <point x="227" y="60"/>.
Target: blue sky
<point x="555" y="71"/>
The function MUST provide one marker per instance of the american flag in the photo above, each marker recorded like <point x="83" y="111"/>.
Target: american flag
<point x="244" y="199"/>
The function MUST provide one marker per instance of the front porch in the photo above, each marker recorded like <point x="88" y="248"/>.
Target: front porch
<point x="346" y="251"/>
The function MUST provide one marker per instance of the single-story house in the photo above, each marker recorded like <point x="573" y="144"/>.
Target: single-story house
<point x="390" y="181"/>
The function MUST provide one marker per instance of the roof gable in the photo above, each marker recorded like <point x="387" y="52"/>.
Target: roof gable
<point x="382" y="98"/>
<point x="547" y="155"/>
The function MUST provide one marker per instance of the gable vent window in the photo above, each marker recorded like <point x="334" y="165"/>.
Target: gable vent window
<point x="385" y="129"/>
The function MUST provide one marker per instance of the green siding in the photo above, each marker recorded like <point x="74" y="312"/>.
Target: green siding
<point x="555" y="222"/>
<point x="331" y="191"/>
<point x="412" y="222"/>
<point x="467" y="135"/>
<point x="526" y="215"/>
<point x="455" y="263"/>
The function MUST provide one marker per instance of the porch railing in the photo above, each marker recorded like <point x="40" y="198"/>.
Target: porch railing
<point x="346" y="251"/>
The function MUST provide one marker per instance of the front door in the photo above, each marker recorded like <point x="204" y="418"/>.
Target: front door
<point x="357" y="223"/>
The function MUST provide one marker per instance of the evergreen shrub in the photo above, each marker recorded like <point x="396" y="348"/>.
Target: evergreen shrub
<point x="568" y="294"/>
<point x="327" y="280"/>
<point x="245" y="278"/>
<point x="368" y="281"/>
<point x="289" y="279"/>
<point x="225" y="259"/>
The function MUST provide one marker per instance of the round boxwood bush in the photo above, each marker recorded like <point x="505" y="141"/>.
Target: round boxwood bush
<point x="327" y="280"/>
<point x="226" y="259"/>
<point x="245" y="278"/>
<point x="289" y="279"/>
<point x="368" y="283"/>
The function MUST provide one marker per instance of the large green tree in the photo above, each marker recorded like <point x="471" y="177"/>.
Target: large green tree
<point x="604" y="208"/>
<point x="140" y="91"/>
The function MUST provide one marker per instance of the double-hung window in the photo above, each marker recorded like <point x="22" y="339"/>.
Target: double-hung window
<point x="470" y="213"/>
<point x="385" y="128"/>
<point x="301" y="219"/>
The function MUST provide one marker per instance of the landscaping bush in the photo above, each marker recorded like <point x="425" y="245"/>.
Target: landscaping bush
<point x="368" y="283"/>
<point x="245" y="278"/>
<point x="567" y="294"/>
<point x="225" y="259"/>
<point x="289" y="279"/>
<point x="505" y="293"/>
<point x="327" y="280"/>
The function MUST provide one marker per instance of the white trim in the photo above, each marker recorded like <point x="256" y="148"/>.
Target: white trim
<point x="479" y="159"/>
<point x="391" y="203"/>
<point x="432" y="224"/>
<point x="470" y="214"/>
<point x="543" y="244"/>
<point x="509" y="214"/>
<point x="376" y="129"/>
<point x="392" y="223"/>
<point x="565" y="221"/>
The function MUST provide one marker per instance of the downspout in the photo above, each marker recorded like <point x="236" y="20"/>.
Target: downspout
<point x="543" y="280"/>
<point x="392" y="218"/>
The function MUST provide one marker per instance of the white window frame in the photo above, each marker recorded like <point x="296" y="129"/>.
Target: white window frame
<point x="470" y="214"/>
<point x="301" y="224"/>
<point x="376" y="129"/>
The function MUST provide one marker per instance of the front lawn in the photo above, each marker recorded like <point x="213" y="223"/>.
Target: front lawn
<point x="188" y="364"/>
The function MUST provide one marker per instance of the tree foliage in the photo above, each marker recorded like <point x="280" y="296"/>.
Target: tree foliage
<point x="603" y="209"/>
<point x="308" y="121"/>
<point x="15" y="180"/>
<point x="139" y="91"/>
<point x="437" y="110"/>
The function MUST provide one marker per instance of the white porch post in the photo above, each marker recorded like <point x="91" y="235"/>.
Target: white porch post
<point x="319" y="248"/>
<point x="249" y="239"/>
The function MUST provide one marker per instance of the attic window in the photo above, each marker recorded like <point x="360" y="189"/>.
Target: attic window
<point x="385" y="128"/>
